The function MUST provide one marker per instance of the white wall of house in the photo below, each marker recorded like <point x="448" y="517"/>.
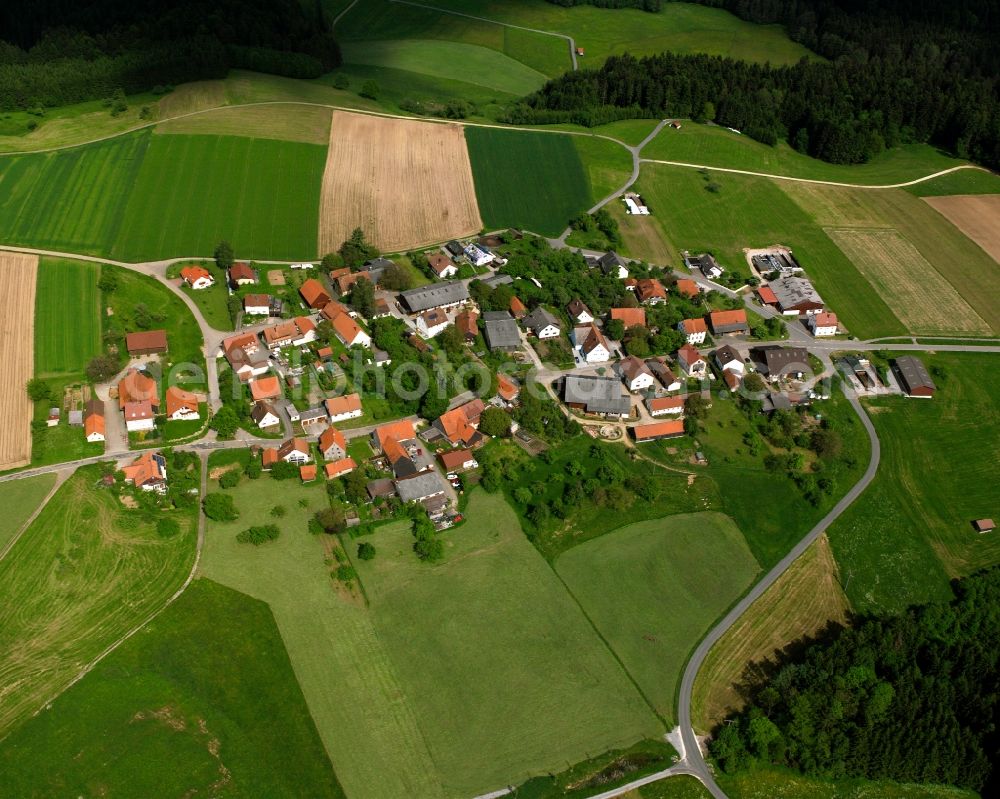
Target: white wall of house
<point x="185" y="415"/>
<point x="348" y="415"/>
<point x="598" y="355"/>
<point x="640" y="382"/>
<point x="549" y="331"/>
<point x="138" y="425"/>
<point x="95" y="437"/>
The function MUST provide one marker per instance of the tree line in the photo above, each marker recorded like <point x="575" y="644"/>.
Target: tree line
<point x="645" y="5"/>
<point x="913" y="697"/>
<point x="891" y="80"/>
<point x="57" y="52"/>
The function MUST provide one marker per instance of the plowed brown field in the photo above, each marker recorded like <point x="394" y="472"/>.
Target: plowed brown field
<point x="405" y="183"/>
<point x="18" y="274"/>
<point x="976" y="215"/>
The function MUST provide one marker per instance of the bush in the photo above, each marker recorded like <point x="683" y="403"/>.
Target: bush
<point x="167" y="527"/>
<point x="332" y="520"/>
<point x="220" y="507"/>
<point x="230" y="479"/>
<point x="346" y="573"/>
<point x="38" y="390"/>
<point x="259" y="535"/>
<point x="278" y="511"/>
<point x="366" y="551"/>
<point x="370" y="89"/>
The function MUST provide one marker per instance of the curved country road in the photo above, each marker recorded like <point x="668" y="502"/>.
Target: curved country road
<point x="695" y="761"/>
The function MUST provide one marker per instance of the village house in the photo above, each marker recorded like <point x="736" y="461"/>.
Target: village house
<point x="93" y="421"/>
<point x="139" y="416"/>
<point x="778" y="362"/>
<point x="394" y="440"/>
<point x="182" y="405"/>
<point x="137" y="386"/>
<point x="339" y="468"/>
<point x="245" y="355"/>
<point x="313" y="419"/>
<point x="333" y="309"/>
<point x="240" y="274"/>
<point x="457" y="460"/>
<point x="459" y="424"/>
<point x="542" y="323"/>
<point x="796" y="296"/>
<point x="501" y="331"/>
<point x="766" y="296"/>
<point x="307" y="473"/>
<point x="727" y="357"/>
<point x="197" y="277"/>
<point x="691" y="362"/>
<point x="694" y="329"/>
<point x="579" y="312"/>
<point x="650" y="291"/>
<point x="466" y="323"/>
<point x="332" y="444"/>
<point x="823" y="324"/>
<point x="517" y="308"/>
<point x="340" y="409"/>
<point x="725" y="323"/>
<point x="295" y="450"/>
<point x="663" y="373"/>
<point x="507" y="389"/>
<point x="431" y="323"/>
<point x="381" y="308"/>
<point x="257" y="305"/>
<point x="635" y="374"/>
<point x="687" y="288"/>
<point x="478" y="255"/>
<point x="630" y="317"/>
<point x="660" y="406"/>
<point x="420" y="487"/>
<point x="442" y="266"/>
<point x="345" y="281"/>
<point x="704" y="263"/>
<point x="601" y="396"/>
<point x="500" y="280"/>
<point x="611" y="263"/>
<point x="146" y="342"/>
<point x="147" y="472"/>
<point x="657" y="431"/>
<point x="436" y="295"/>
<point x="296" y="332"/>
<point x="265" y="388"/>
<point x="264" y="415"/>
<point x="314" y="293"/>
<point x="591" y="344"/>
<point x="913" y="377"/>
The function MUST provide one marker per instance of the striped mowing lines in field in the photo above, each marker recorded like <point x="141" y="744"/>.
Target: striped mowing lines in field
<point x="527" y="180"/>
<point x="72" y="199"/>
<point x="67" y="316"/>
<point x="193" y="191"/>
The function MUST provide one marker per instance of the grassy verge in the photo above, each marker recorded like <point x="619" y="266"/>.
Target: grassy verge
<point x="765" y="784"/>
<point x="168" y="715"/>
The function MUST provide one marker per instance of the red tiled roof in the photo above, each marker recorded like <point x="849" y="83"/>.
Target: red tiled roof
<point x="332" y="309"/>
<point x="644" y="432"/>
<point x="456" y="426"/>
<point x="269" y="456"/>
<point x="330" y="437"/>
<point x="307" y="472"/>
<point x="178" y="398"/>
<point x="313" y="292"/>
<point x="666" y="403"/>
<point x="767" y="295"/>
<point x="241" y="271"/>
<point x="455" y="458"/>
<point x="439" y="263"/>
<point x="347" y="329"/>
<point x="687" y="287"/>
<point x="695" y="326"/>
<point x="348" y="403"/>
<point x="630" y="317"/>
<point x="400" y="431"/>
<point x="517" y="308"/>
<point x="266" y="387"/>
<point x="507" y="388"/>
<point x="193" y="273"/>
<point x="337" y="468"/>
<point x="649" y="288"/>
<point x="146" y="340"/>
<point x="825" y="319"/>
<point x="688" y="354"/>
<point x="93" y="424"/>
<point x="728" y="317"/>
<point x="466" y="322"/>
<point x="143" y="469"/>
<point x="136" y="387"/>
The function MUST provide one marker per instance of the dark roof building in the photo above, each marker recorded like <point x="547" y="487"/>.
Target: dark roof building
<point x="501" y="331"/>
<point x="497" y="280"/>
<point x="796" y="295"/>
<point x="436" y="295"/>
<point x="599" y="395"/>
<point x="782" y="361"/>
<point x="420" y="486"/>
<point x="913" y="377"/>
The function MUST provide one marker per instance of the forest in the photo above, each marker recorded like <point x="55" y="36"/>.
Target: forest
<point x="913" y="698"/>
<point x="57" y="52"/>
<point x="897" y="74"/>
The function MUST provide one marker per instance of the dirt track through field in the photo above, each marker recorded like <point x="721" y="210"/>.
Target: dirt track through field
<point x="405" y="183"/>
<point x="976" y="215"/>
<point x="920" y="297"/>
<point x="18" y="275"/>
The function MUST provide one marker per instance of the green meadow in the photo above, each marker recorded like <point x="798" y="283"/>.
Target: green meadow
<point x="910" y="532"/>
<point x="725" y="213"/>
<point x="70" y="200"/>
<point x="531" y="180"/>
<point x="261" y="195"/>
<point x="202" y="701"/>
<point x="67" y="316"/>
<point x="20" y="499"/>
<point x="654" y="588"/>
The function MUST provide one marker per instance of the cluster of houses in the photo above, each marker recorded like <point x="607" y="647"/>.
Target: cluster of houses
<point x="139" y="402"/>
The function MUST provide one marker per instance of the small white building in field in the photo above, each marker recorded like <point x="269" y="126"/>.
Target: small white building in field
<point x="303" y="266"/>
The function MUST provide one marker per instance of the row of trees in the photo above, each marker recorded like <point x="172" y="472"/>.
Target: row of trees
<point x="913" y="698"/>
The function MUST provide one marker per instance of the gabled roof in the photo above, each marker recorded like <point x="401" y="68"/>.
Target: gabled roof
<point x="766" y="295"/>
<point x="178" y="398"/>
<point x="649" y="288"/>
<point x="596" y="394"/>
<point x="727" y="353"/>
<point x="420" y="485"/>
<point x="539" y="319"/>
<point x="194" y="273"/>
<point x="337" y="468"/>
<point x="293" y="445"/>
<point x="687" y="287"/>
<point x="266" y="387"/>
<point x="137" y="387"/>
<point x="694" y="326"/>
<point x="720" y="319"/>
<point x="348" y="403"/>
<point x="314" y="293"/>
<point x="93" y="423"/>
<point x="146" y="340"/>
<point x="262" y="409"/>
<point x="347" y="329"/>
<point x="456" y="427"/>
<point x="136" y="411"/>
<point x="501" y="330"/>
<point x="577" y="307"/>
<point x="439" y="263"/>
<point x="466" y="322"/>
<point x="658" y="366"/>
<point x="517" y="308"/>
<point x="688" y="355"/>
<point x="665" y="403"/>
<point x="241" y="271"/>
<point x="778" y="360"/>
<point x="647" y="432"/>
<point x="793" y="291"/>
<point x="401" y="430"/>
<point x="913" y="373"/>
<point x="507" y="389"/>
<point x="330" y="437"/>
<point x="434" y="295"/>
<point x="826" y="319"/>
<point x="149" y="467"/>
<point x="307" y="472"/>
<point x="332" y="309"/>
<point x="631" y="368"/>
<point x="244" y="341"/>
<point x="256" y="300"/>
<point x="455" y="458"/>
<point x="593" y="340"/>
<point x="610" y="261"/>
<point x="630" y="317"/>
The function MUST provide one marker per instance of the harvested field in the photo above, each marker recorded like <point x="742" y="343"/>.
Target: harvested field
<point x="976" y="215"/>
<point x="923" y="300"/>
<point x="405" y="183"/>
<point x="309" y="124"/>
<point x="18" y="274"/>
<point x="805" y="599"/>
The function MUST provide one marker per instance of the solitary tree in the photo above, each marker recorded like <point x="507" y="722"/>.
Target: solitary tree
<point x="224" y="257"/>
<point x="366" y="550"/>
<point x="38" y="390"/>
<point x="220" y="507"/>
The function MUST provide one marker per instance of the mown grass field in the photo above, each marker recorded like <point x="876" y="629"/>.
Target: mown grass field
<point x="768" y="783"/>
<point x="70" y="200"/>
<point x="67" y="316"/>
<point x="84" y="573"/>
<point x="715" y="146"/>
<point x="469" y="63"/>
<point x="938" y="280"/>
<point x="193" y="191"/>
<point x="287" y="122"/>
<point x="910" y="532"/>
<point x="679" y="27"/>
<point x="608" y="165"/>
<point x="383" y="20"/>
<point x="802" y="602"/>
<point x="20" y="498"/>
<point x="755" y="212"/>
<point x="653" y="589"/>
<point x="679" y="787"/>
<point x="203" y="700"/>
<point x="385" y="683"/>
<point x="534" y="181"/>
<point x="966" y="181"/>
